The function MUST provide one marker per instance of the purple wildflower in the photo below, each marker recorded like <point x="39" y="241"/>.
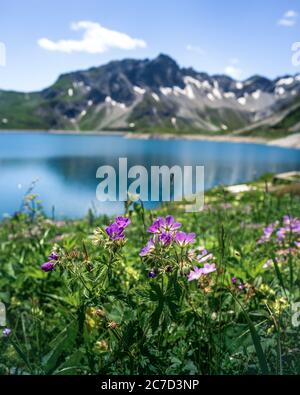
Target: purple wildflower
<point x="53" y="256"/>
<point x="204" y="258"/>
<point x="6" y="332"/>
<point x="161" y="225"/>
<point x="149" y="247"/>
<point x="267" y="264"/>
<point x="281" y="234"/>
<point x="183" y="239"/>
<point x="48" y="266"/>
<point x="234" y="280"/>
<point x="209" y="268"/>
<point x="156" y="226"/>
<point x="241" y="287"/>
<point x="287" y="220"/>
<point x="195" y="274"/>
<point x="165" y="239"/>
<point x="203" y="251"/>
<point x="115" y="230"/>
<point x="122" y="222"/>
<point x="291" y="224"/>
<point x="268" y="231"/>
<point x="170" y="225"/>
<point x="152" y="273"/>
<point x="198" y="272"/>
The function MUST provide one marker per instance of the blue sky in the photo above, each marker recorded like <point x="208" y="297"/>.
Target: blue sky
<point x="238" y="37"/>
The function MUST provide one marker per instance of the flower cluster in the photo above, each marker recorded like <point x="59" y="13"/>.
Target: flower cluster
<point x="201" y="256"/>
<point x="291" y="225"/>
<point x="116" y="229"/>
<point x="50" y="264"/>
<point x="267" y="233"/>
<point x="290" y="231"/>
<point x="199" y="272"/>
<point x="165" y="232"/>
<point x="112" y="235"/>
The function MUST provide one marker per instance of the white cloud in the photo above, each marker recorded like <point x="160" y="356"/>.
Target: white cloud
<point x="195" y="48"/>
<point x="286" y="22"/>
<point x="95" y="39"/>
<point x="290" y="14"/>
<point x="288" y="19"/>
<point x="234" y="72"/>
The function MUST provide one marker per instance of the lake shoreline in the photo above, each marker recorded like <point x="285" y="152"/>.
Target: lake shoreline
<point x="290" y="141"/>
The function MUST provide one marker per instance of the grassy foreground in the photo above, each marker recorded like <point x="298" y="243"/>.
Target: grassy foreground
<point x="107" y="309"/>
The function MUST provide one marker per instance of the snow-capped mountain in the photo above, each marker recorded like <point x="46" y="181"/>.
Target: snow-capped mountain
<point x="155" y="95"/>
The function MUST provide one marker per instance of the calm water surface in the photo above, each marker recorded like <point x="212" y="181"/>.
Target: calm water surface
<point x="66" y="166"/>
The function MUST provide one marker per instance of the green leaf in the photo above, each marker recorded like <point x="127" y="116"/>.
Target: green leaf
<point x="61" y="344"/>
<point x="256" y="341"/>
<point x="155" y="317"/>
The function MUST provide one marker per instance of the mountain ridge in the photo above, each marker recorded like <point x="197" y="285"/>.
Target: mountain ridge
<point x="154" y="95"/>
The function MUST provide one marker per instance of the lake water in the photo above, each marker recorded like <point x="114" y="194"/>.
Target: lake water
<point x="66" y="166"/>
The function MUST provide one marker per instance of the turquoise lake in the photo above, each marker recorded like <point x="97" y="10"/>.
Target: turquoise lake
<point x="65" y="166"/>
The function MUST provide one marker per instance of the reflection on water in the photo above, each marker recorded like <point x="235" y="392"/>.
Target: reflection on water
<point x="66" y="165"/>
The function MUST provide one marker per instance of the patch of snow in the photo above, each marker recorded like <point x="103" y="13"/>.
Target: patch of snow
<point x="139" y="90"/>
<point x="4" y="120"/>
<point x="229" y="95"/>
<point x="155" y="97"/>
<point x="70" y="92"/>
<point x="280" y="91"/>
<point x="90" y="103"/>
<point x="132" y="125"/>
<point x="297" y="78"/>
<point x="242" y="101"/>
<point x="216" y="84"/>
<point x="256" y="94"/>
<point x="206" y="84"/>
<point x="178" y="91"/>
<point x="83" y="113"/>
<point x="239" y="85"/>
<point x="174" y="121"/>
<point x="165" y="90"/>
<point x="114" y="103"/>
<point x="210" y="97"/>
<point x="191" y="80"/>
<point x="285" y="81"/>
<point x="189" y="92"/>
<point x="224" y="127"/>
<point x="109" y="100"/>
<point x="216" y="92"/>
